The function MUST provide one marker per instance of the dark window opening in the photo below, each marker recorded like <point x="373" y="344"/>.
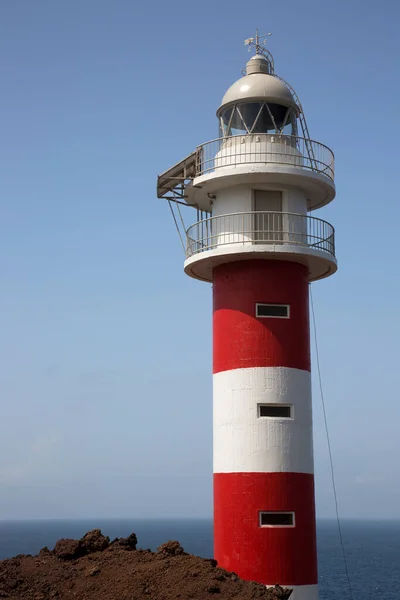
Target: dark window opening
<point x="272" y="310"/>
<point x="276" y="519"/>
<point x="275" y="410"/>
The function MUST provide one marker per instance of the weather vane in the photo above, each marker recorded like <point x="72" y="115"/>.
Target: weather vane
<point x="259" y="43"/>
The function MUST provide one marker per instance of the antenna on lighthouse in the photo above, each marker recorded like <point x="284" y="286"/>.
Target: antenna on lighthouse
<point x="259" y="42"/>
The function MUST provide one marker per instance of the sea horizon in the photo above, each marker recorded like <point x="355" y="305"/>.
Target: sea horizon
<point x="372" y="546"/>
<point x="195" y="518"/>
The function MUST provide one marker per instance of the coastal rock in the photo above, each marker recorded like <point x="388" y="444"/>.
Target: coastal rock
<point x="92" y="568"/>
<point x="128" y="543"/>
<point x="94" y="541"/>
<point x="171" y="548"/>
<point x="279" y="592"/>
<point x="67" y="549"/>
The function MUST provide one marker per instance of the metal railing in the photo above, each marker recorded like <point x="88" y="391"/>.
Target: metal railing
<point x="265" y="148"/>
<point x="250" y="228"/>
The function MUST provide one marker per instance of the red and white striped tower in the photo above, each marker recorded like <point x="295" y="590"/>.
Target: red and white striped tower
<point x="257" y="243"/>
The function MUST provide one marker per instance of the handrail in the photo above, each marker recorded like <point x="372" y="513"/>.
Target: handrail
<point x="260" y="228"/>
<point x="240" y="135"/>
<point x="265" y="148"/>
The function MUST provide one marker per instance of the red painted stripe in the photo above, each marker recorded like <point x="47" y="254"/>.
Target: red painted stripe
<point x="240" y="340"/>
<point x="287" y="556"/>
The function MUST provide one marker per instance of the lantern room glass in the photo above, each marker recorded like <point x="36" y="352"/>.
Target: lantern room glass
<point x="257" y="117"/>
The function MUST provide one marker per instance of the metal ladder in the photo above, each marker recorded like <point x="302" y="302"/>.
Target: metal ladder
<point x="303" y="123"/>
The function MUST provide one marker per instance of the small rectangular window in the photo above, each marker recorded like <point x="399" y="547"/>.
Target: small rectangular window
<point x="282" y="411"/>
<point x="277" y="311"/>
<point x="276" y="519"/>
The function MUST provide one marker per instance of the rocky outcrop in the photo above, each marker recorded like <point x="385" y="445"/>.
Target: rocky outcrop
<point x="94" y="568"/>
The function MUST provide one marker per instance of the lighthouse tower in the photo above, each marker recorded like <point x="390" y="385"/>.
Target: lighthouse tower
<point x="256" y="239"/>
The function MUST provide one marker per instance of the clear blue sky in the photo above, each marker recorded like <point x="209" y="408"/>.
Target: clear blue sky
<point x="105" y="345"/>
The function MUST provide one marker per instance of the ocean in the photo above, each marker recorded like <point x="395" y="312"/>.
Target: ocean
<point x="372" y="548"/>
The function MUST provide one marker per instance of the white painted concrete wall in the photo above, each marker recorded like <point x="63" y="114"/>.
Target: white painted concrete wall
<point x="253" y="149"/>
<point x="245" y="442"/>
<point x="236" y="229"/>
<point x="239" y="228"/>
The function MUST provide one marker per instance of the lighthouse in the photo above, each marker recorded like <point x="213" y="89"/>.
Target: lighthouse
<point x="256" y="189"/>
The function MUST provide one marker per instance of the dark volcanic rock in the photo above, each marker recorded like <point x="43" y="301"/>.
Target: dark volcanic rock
<point x="128" y="543"/>
<point x="280" y="592"/>
<point x="68" y="549"/>
<point x="94" y="569"/>
<point x="94" y="541"/>
<point x="171" y="548"/>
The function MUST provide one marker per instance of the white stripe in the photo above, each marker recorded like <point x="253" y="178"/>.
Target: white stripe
<point x="302" y="592"/>
<point x="244" y="442"/>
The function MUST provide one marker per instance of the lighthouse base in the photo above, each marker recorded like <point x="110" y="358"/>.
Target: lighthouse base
<point x="303" y="592"/>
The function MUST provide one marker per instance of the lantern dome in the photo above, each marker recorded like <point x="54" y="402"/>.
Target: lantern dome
<point x="258" y="85"/>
